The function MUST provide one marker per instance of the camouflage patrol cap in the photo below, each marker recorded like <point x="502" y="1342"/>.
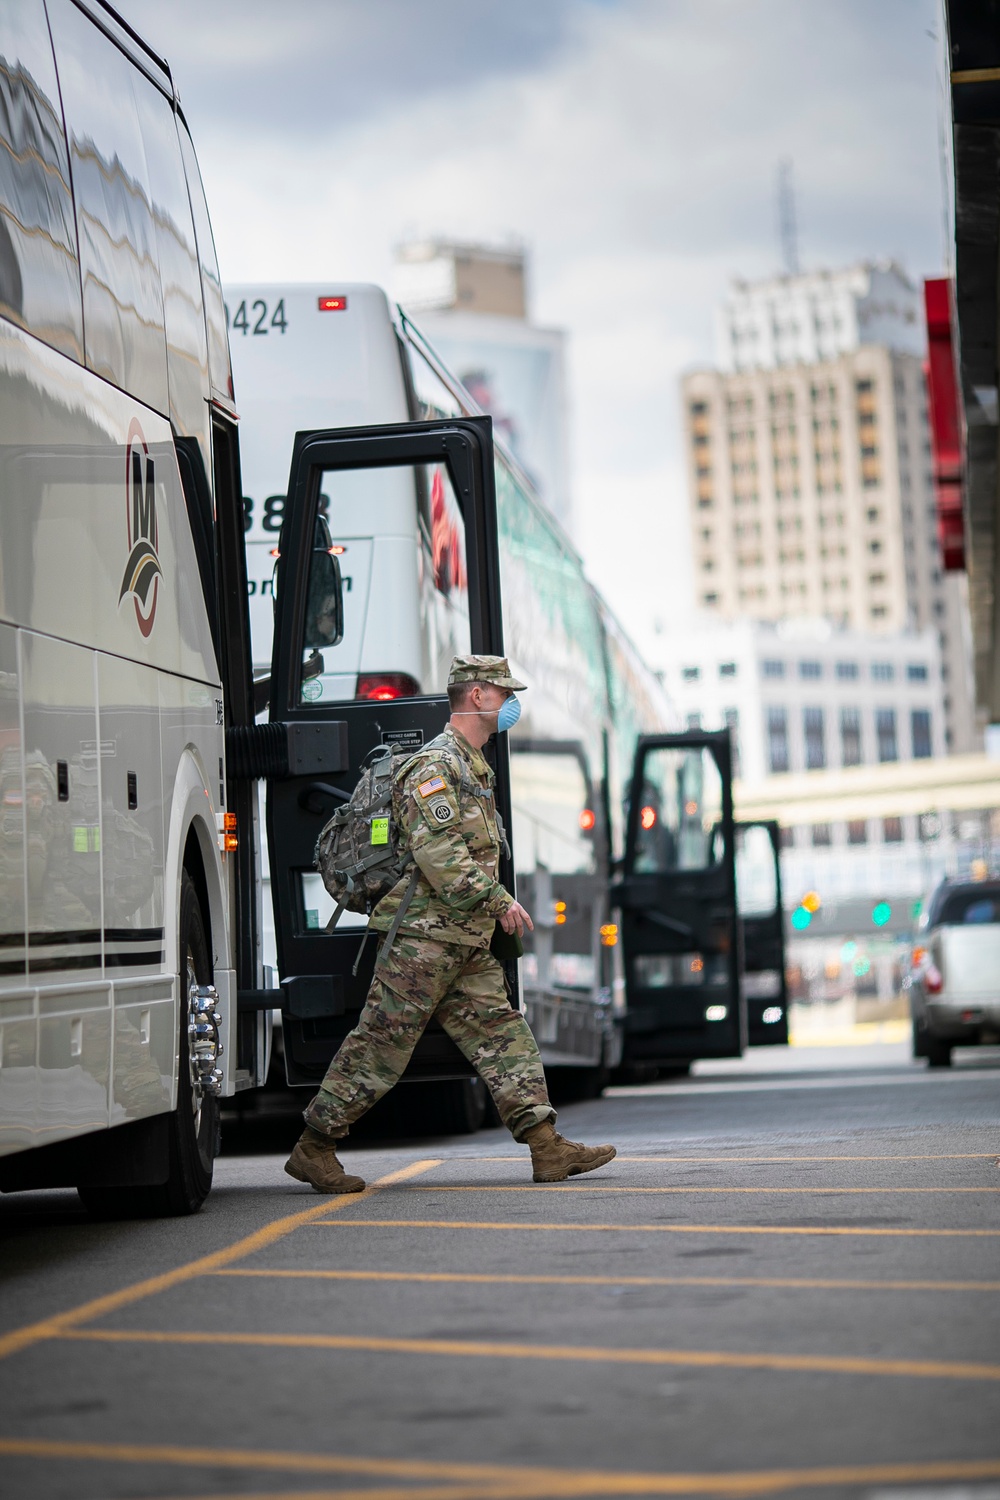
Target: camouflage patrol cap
<point x="494" y="669"/>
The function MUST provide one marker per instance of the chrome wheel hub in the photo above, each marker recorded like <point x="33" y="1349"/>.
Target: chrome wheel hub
<point x="204" y="1042"/>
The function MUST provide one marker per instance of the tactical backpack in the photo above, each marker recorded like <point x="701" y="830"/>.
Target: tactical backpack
<point x="358" y="852"/>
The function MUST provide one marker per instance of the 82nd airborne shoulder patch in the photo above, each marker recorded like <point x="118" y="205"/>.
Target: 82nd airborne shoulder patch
<point x="441" y="811"/>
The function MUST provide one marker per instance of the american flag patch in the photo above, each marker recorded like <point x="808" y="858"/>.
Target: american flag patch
<point x="428" y="788"/>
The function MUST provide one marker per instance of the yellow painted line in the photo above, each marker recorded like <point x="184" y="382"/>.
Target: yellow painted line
<point x="976" y="75"/>
<point x="659" y="1228"/>
<point x="515" y="1480"/>
<point x="481" y="1278"/>
<point x="55" y="1327"/>
<point x="926" y="1369"/>
<point x="602" y="1187"/>
<point x="932" y="1156"/>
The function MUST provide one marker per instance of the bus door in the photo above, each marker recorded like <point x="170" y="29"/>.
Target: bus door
<point x="562" y="879"/>
<point x="677" y="899"/>
<point x="758" y="895"/>
<point x="327" y="732"/>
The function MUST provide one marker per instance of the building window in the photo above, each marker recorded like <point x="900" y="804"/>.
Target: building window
<point x="882" y="671"/>
<point x="774" y="668"/>
<point x="916" y="671"/>
<point x="850" y="737"/>
<point x="812" y="729"/>
<point x="777" y="739"/>
<point x="810" y="669"/>
<point x="847" y="671"/>
<point x="857" y="831"/>
<point x="709" y="599"/>
<point x="892" y="830"/>
<point x="732" y="720"/>
<point x="885" y="733"/>
<point x="727" y="669"/>
<point x="699" y="408"/>
<point x="821" y="836"/>
<point x="690" y="674"/>
<point x="878" y="611"/>
<point x="920" y="733"/>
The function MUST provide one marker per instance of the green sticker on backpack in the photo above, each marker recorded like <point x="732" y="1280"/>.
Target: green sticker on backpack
<point x="380" y="830"/>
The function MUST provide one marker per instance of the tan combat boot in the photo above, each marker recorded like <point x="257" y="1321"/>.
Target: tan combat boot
<point x="314" y="1160"/>
<point x="553" y="1158"/>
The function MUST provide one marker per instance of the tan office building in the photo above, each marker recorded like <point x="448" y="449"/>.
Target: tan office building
<point x="811" y="495"/>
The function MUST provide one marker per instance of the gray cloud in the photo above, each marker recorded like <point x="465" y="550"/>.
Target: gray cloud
<point x="632" y="146"/>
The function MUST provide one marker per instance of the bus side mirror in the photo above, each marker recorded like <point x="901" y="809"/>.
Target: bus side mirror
<point x="325" y="604"/>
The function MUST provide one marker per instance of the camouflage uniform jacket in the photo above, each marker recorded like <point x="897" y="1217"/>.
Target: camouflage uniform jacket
<point x="452" y="832"/>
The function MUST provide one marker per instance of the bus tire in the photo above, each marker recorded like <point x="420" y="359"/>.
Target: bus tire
<point x="194" y="1126"/>
<point x="938" y="1052"/>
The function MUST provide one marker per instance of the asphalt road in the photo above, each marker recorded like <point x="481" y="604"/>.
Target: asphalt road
<point x="788" y="1282"/>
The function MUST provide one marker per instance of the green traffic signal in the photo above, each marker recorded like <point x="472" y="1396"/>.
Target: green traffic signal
<point x="801" y="918"/>
<point x="881" y="913"/>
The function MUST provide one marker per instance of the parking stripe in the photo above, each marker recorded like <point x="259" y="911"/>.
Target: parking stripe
<point x="602" y="1187"/>
<point x="924" y="1369"/>
<point x="482" y="1278"/>
<point x="56" y="1327"/>
<point x="516" y="1480"/>
<point x="925" y="1156"/>
<point x="521" y="1225"/>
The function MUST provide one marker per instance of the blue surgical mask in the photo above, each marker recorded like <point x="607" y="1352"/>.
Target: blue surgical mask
<point x="510" y="712"/>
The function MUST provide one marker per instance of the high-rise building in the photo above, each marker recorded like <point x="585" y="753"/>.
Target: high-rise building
<point x="809" y="469"/>
<point x="471" y="302"/>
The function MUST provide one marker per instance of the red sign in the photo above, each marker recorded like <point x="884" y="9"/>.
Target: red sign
<point x="945" y="423"/>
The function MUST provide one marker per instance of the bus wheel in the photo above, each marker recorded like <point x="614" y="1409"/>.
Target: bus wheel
<point x="194" y="1126"/>
<point x="938" y="1053"/>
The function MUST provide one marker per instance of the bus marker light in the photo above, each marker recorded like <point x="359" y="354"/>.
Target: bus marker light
<point x="587" y="819"/>
<point x="332" y="304"/>
<point x="336" y="551"/>
<point x="609" y="935"/>
<point x="383" y="687"/>
<point x="647" y="818"/>
<point x="771" y="1015"/>
<point x="716" y="1012"/>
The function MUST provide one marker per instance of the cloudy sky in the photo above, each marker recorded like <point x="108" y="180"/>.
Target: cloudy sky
<point x="631" y="144"/>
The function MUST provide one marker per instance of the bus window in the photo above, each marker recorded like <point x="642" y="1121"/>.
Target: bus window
<point x="122" y="305"/>
<point x="39" y="274"/>
<point x="407" y="568"/>
<point x="180" y="278"/>
<point x="219" y="365"/>
<point x="756" y="872"/>
<point x="549" y="800"/>
<point x="679" y="811"/>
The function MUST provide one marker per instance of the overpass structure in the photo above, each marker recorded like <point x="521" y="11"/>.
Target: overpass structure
<point x="974" y="42"/>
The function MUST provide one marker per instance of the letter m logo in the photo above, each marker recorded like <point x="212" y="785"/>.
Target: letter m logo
<point x="143" y="501"/>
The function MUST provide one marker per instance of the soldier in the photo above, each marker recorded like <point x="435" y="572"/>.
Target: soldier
<point x="440" y="963"/>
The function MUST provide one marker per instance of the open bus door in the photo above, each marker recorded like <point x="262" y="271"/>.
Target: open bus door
<point x="758" y="890"/>
<point x="677" y="899"/>
<point x="329" y="735"/>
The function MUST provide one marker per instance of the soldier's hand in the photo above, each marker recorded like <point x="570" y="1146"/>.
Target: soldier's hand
<point x="516" y="919"/>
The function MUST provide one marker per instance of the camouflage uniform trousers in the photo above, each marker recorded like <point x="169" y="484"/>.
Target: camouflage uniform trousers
<point x="463" y="988"/>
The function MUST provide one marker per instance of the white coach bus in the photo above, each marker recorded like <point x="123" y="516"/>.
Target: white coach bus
<point x="339" y="355"/>
<point x="133" y="997"/>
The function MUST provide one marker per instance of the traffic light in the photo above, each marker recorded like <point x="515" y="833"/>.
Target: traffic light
<point x="801" y="917"/>
<point x="881" y="913"/>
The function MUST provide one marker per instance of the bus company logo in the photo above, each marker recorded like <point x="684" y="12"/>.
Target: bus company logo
<point x="142" y="575"/>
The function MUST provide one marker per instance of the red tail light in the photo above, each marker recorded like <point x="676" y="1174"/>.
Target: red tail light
<point x="932" y="981"/>
<point x="383" y="687"/>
